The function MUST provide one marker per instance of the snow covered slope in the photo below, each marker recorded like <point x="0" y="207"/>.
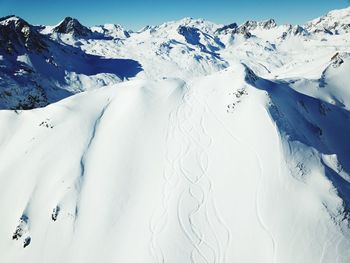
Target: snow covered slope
<point x="175" y="170"/>
<point x="192" y="142"/>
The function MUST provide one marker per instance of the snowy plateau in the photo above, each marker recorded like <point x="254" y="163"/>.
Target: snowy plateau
<point x="188" y="141"/>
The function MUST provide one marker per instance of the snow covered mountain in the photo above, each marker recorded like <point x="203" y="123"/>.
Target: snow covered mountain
<point x="335" y="22"/>
<point x="71" y="26"/>
<point x="183" y="142"/>
<point x="112" y="30"/>
<point x="37" y="69"/>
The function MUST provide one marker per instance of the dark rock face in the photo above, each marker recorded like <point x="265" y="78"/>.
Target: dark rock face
<point x="72" y="26"/>
<point x="227" y="29"/>
<point x="299" y="31"/>
<point x="21" y="229"/>
<point x="18" y="233"/>
<point x="55" y="213"/>
<point x="27" y="241"/>
<point x="17" y="35"/>
<point x="339" y="58"/>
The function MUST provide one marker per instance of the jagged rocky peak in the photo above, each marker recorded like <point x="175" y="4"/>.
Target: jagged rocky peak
<point x="252" y="25"/>
<point x="295" y="31"/>
<point x="268" y="24"/>
<point x="16" y="35"/>
<point x="233" y="29"/>
<point x="246" y="28"/>
<point x="72" y="26"/>
<point x="298" y="31"/>
<point x="227" y="29"/>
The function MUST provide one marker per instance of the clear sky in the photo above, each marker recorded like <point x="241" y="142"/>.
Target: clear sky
<point x="134" y="14"/>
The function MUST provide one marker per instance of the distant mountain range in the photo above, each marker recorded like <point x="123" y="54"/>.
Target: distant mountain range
<point x="35" y="73"/>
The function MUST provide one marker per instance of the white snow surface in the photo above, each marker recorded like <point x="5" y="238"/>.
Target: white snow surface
<point x="221" y="149"/>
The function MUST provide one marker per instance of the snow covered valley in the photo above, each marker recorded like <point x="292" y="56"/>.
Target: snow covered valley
<point x="183" y="142"/>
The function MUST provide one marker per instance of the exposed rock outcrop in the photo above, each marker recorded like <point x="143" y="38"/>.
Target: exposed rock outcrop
<point x="16" y="35"/>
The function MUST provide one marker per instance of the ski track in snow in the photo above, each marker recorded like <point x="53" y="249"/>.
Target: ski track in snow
<point x="301" y="71"/>
<point x="192" y="183"/>
<point x="197" y="184"/>
<point x="157" y="224"/>
<point x="260" y="181"/>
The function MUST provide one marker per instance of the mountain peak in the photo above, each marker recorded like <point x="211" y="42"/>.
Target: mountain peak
<point x="246" y="27"/>
<point x="227" y="28"/>
<point x="16" y="34"/>
<point x="11" y="19"/>
<point x="252" y="24"/>
<point x="72" y="26"/>
<point x="112" y="30"/>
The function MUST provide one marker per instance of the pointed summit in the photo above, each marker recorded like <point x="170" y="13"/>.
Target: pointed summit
<point x="268" y="24"/>
<point x="72" y="26"/>
<point x="17" y="35"/>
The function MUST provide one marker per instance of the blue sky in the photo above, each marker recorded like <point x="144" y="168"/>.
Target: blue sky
<point x="134" y="14"/>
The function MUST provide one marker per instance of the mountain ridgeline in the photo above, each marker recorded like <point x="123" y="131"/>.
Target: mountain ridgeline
<point x="42" y="78"/>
